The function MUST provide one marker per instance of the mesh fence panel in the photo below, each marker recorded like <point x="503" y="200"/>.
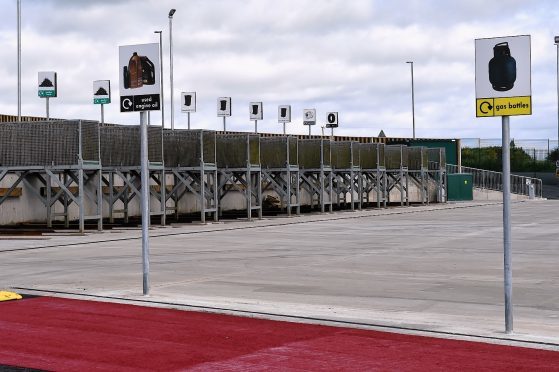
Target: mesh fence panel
<point x="355" y="154"/>
<point x="209" y="146"/>
<point x="90" y="140"/>
<point x="187" y="148"/>
<point x="254" y="149"/>
<point x="155" y="143"/>
<point x="371" y="155"/>
<point x="47" y="143"/>
<point x="274" y="152"/>
<point x="327" y="153"/>
<point x="381" y="157"/>
<point x="310" y="151"/>
<point x="418" y="158"/>
<point x="120" y="145"/>
<point x="341" y="154"/>
<point x="293" y="150"/>
<point x="396" y="156"/>
<point x="437" y="158"/>
<point x="237" y="150"/>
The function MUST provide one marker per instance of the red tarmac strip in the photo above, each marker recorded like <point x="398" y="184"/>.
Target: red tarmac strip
<point x="73" y="335"/>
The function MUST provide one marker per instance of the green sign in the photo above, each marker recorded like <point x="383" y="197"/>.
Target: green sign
<point x="101" y="101"/>
<point x="47" y="93"/>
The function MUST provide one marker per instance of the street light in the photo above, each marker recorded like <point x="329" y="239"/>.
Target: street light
<point x="557" y="43"/>
<point x="412" y="99"/>
<point x="18" y="60"/>
<point x="171" y="13"/>
<point x="161" y="79"/>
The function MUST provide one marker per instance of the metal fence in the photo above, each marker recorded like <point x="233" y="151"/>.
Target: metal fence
<point x="490" y="180"/>
<point x="538" y="149"/>
<point x="48" y="143"/>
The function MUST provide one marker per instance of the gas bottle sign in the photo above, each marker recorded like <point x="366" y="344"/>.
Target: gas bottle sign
<point x="503" y="76"/>
<point x="139" y="70"/>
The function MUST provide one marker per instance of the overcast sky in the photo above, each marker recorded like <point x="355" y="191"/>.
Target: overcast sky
<point x="333" y="55"/>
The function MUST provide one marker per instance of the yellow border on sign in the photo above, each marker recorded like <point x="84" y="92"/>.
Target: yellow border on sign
<point x="503" y="106"/>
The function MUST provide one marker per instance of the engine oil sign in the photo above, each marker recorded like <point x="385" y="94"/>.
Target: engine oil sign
<point x="503" y="76"/>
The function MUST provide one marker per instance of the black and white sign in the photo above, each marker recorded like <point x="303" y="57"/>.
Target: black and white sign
<point x="224" y="106"/>
<point x="139" y="70"/>
<point x="101" y="92"/>
<point x="256" y="112"/>
<point x="47" y="84"/>
<point x="284" y="114"/>
<point x="309" y="116"/>
<point x="331" y="120"/>
<point x="503" y="67"/>
<point x="188" y="102"/>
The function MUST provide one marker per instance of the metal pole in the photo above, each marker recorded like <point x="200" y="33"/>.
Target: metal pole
<point x="256" y="126"/>
<point x="283" y="128"/>
<point x="224" y="126"/>
<point x="102" y="114"/>
<point x="48" y="114"/>
<point x="557" y="44"/>
<point x="145" y="201"/>
<point x="18" y="60"/>
<point x="188" y="114"/>
<point x="507" y="226"/>
<point x="412" y="99"/>
<point x="332" y="134"/>
<point x="161" y="77"/>
<point x="171" y="66"/>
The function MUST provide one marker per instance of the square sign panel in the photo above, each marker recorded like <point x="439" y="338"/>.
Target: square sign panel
<point x="188" y="102"/>
<point x="332" y="120"/>
<point x="47" y="84"/>
<point x="139" y="70"/>
<point x="224" y="106"/>
<point x="309" y="116"/>
<point x="284" y="114"/>
<point x="503" y="76"/>
<point x="101" y="92"/>
<point x="256" y="111"/>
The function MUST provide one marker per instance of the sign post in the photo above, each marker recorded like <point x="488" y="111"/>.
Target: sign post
<point x="224" y="109"/>
<point x="47" y="87"/>
<point x="140" y="90"/>
<point x="331" y="122"/>
<point x="309" y="118"/>
<point x="188" y="104"/>
<point x="503" y="88"/>
<point x="256" y="113"/>
<point x="284" y="115"/>
<point x="102" y="95"/>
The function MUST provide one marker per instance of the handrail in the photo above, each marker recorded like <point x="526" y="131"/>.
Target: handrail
<point x="491" y="180"/>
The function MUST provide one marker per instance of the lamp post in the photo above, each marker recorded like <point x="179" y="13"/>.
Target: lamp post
<point x="18" y="60"/>
<point x="557" y="44"/>
<point x="161" y="79"/>
<point x="412" y="99"/>
<point x="171" y="13"/>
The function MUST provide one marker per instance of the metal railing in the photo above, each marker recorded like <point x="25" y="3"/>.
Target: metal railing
<point x="490" y="180"/>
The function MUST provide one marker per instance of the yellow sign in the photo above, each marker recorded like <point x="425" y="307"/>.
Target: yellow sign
<point x="505" y="106"/>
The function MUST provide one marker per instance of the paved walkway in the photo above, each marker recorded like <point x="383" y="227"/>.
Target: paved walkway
<point x="436" y="268"/>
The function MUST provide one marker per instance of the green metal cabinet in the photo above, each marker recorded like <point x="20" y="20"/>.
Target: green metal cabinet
<point x="460" y="186"/>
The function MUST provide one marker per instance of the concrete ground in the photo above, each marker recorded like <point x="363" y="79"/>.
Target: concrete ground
<point x="433" y="268"/>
